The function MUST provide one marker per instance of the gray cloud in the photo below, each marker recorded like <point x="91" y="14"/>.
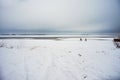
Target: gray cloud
<point x="60" y="15"/>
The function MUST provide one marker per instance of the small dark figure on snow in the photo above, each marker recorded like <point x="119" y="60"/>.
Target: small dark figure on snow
<point x="85" y="39"/>
<point x="80" y="39"/>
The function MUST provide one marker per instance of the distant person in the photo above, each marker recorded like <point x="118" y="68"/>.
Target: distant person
<point x="80" y="39"/>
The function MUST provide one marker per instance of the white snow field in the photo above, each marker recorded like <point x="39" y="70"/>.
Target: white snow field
<point x="65" y="59"/>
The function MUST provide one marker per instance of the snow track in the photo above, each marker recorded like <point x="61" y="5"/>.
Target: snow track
<point x="67" y="59"/>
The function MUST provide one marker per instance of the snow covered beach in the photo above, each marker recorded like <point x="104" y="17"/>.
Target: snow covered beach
<point x="59" y="59"/>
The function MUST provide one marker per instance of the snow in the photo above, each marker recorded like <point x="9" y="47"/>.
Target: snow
<point x="62" y="59"/>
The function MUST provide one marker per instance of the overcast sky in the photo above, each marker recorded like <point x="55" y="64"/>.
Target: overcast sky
<point x="59" y="15"/>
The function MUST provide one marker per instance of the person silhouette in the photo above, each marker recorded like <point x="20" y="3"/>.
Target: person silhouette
<point x="80" y="39"/>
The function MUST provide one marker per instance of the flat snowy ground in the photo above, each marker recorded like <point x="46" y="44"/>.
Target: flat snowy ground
<point x="67" y="59"/>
